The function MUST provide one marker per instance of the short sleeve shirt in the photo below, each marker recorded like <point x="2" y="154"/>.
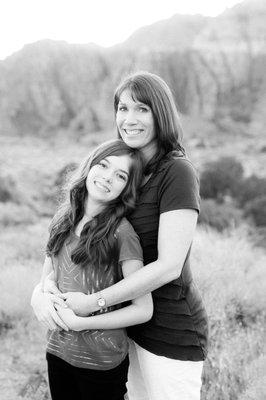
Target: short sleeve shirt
<point x="93" y="349"/>
<point x="178" y="328"/>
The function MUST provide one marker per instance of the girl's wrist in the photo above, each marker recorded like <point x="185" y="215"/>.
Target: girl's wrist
<point x="80" y="323"/>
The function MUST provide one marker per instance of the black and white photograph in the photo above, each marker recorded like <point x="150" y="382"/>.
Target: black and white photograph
<point x="132" y="200"/>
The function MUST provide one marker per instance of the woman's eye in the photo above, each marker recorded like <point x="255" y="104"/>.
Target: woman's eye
<point x="103" y="164"/>
<point x="143" y="109"/>
<point x="122" y="108"/>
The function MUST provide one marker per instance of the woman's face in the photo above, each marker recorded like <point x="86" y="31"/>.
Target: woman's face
<point x="135" y="122"/>
<point x="107" y="179"/>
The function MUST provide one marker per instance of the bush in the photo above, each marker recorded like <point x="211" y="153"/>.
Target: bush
<point x="219" y="216"/>
<point x="8" y="190"/>
<point x="256" y="209"/>
<point x="220" y="178"/>
<point x="63" y="173"/>
<point x="14" y="214"/>
<point x="251" y="188"/>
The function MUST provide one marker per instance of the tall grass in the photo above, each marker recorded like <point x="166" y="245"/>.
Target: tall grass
<point x="232" y="276"/>
<point x="229" y="271"/>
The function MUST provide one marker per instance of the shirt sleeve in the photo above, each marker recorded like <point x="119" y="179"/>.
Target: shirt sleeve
<point x="128" y="242"/>
<point x="180" y="187"/>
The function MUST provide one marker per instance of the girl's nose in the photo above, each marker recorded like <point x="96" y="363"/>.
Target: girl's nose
<point x="108" y="176"/>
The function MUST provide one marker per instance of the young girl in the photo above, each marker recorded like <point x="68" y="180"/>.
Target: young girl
<point x="92" y="246"/>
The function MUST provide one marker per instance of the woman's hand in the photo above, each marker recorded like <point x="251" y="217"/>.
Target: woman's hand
<point x="82" y="304"/>
<point x="43" y="307"/>
<point x="69" y="318"/>
<point x="49" y="286"/>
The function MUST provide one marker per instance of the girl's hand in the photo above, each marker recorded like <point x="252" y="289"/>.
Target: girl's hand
<point x="78" y="302"/>
<point x="43" y="307"/>
<point x="69" y="318"/>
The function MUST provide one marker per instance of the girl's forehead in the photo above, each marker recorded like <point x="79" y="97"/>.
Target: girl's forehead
<point x="122" y="161"/>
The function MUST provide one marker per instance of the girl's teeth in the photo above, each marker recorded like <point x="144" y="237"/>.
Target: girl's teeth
<point x="102" y="187"/>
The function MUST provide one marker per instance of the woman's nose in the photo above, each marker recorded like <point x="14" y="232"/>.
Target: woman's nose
<point x="131" y="117"/>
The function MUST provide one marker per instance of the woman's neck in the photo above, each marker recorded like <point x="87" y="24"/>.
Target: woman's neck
<point x="149" y="151"/>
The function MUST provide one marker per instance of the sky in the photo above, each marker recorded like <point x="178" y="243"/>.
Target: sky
<point x="104" y="22"/>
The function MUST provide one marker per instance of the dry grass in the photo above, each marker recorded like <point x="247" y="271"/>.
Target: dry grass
<point x="228" y="268"/>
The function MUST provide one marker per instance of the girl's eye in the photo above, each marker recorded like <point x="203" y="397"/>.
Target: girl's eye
<point x="122" y="108"/>
<point x="103" y="164"/>
<point x="122" y="177"/>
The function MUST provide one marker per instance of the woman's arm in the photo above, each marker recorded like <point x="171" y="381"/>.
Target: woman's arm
<point x="176" y="230"/>
<point x="139" y="311"/>
<point x="43" y="302"/>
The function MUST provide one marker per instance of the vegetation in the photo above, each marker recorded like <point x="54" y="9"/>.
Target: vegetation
<point x="229" y="270"/>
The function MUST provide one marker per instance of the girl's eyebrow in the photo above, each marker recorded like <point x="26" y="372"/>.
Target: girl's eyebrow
<point x="125" y="172"/>
<point x="121" y="170"/>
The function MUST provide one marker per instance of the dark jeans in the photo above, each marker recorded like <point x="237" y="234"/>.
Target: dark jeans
<point x="72" y="383"/>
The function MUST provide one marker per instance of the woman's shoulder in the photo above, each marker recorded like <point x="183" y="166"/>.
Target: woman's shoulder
<point x="177" y="166"/>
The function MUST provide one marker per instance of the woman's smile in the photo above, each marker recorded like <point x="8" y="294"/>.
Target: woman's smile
<point x="135" y="122"/>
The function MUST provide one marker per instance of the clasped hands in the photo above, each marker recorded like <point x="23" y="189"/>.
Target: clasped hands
<point x="57" y="310"/>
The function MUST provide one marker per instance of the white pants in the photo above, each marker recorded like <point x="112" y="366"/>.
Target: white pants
<point x="153" y="377"/>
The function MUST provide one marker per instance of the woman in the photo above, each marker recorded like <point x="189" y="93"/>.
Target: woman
<point x="167" y="353"/>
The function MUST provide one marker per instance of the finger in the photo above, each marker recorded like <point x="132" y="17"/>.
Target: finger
<point x="59" y="321"/>
<point x="63" y="296"/>
<point x="54" y="290"/>
<point x="57" y="300"/>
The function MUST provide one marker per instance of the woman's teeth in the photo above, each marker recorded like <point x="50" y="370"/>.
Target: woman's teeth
<point x="133" y="132"/>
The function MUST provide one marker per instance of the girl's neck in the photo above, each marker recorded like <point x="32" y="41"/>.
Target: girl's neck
<point x="91" y="209"/>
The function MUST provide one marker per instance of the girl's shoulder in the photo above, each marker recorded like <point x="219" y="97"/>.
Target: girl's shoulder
<point x="124" y="228"/>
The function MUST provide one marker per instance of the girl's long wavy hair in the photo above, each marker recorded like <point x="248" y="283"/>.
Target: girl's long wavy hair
<point x="97" y="245"/>
<point x="153" y="91"/>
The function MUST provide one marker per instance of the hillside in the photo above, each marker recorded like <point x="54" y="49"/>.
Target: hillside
<point x="215" y="67"/>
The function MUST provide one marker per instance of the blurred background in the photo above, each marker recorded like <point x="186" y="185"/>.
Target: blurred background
<point x="60" y="63"/>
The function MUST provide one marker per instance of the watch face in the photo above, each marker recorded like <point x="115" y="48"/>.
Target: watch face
<point x="101" y="302"/>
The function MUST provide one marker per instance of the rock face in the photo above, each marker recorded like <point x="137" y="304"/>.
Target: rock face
<point x="215" y="67"/>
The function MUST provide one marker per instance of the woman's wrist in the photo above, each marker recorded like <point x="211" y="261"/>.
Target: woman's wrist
<point x="93" y="302"/>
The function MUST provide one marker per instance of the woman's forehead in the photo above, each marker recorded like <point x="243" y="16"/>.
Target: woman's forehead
<point x="129" y="94"/>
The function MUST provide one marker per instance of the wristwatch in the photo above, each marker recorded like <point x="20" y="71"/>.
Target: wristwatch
<point x="101" y="302"/>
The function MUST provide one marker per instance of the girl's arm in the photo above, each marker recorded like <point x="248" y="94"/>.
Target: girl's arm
<point x="139" y="311"/>
<point x="176" y="230"/>
<point x="43" y="302"/>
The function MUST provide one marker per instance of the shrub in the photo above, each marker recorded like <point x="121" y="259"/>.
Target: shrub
<point x="63" y="173"/>
<point x="251" y="188"/>
<point x="219" y="216"/>
<point x="256" y="209"/>
<point x="8" y="190"/>
<point x="220" y="178"/>
<point x="14" y="214"/>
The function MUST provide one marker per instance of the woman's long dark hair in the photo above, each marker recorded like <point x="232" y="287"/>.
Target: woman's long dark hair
<point x="152" y="90"/>
<point x="97" y="245"/>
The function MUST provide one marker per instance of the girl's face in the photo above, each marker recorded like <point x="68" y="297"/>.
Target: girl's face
<point x="135" y="122"/>
<point x="107" y="179"/>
